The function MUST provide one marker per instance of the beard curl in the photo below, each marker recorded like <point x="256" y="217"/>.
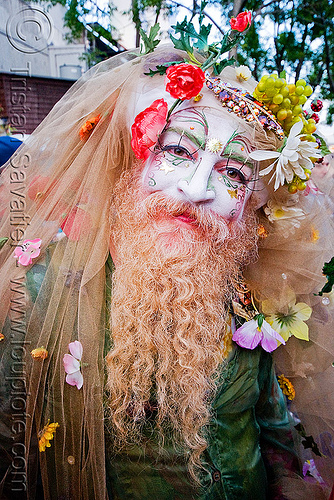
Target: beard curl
<point x="171" y="295"/>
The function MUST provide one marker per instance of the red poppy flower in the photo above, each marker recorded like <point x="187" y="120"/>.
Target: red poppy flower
<point x="146" y="128"/>
<point x="242" y="21"/>
<point x="184" y="81"/>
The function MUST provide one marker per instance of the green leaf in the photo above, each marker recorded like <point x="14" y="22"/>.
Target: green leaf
<point x="202" y="41"/>
<point x="188" y="33"/>
<point x="282" y="74"/>
<point x="150" y="41"/>
<point x="182" y="43"/>
<point x="259" y="318"/>
<point x="161" y="68"/>
<point x="308" y="441"/>
<point x="328" y="270"/>
<point x="218" y="67"/>
<point x="323" y="145"/>
<point x="2" y="242"/>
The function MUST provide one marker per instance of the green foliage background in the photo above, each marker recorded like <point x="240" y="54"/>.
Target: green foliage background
<point x="292" y="35"/>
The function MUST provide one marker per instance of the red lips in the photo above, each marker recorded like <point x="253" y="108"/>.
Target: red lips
<point x="187" y="218"/>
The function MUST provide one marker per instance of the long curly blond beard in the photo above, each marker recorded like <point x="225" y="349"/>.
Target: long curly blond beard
<point x="171" y="294"/>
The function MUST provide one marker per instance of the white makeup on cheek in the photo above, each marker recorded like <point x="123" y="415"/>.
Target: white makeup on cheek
<point x="184" y="169"/>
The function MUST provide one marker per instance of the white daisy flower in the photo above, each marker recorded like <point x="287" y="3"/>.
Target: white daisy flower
<point x="243" y="73"/>
<point x="294" y="157"/>
<point x="214" y="145"/>
<point x="287" y="218"/>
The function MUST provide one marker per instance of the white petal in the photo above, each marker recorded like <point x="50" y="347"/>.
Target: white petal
<point x="296" y="128"/>
<point x="291" y="155"/>
<point x="266" y="170"/>
<point x="260" y="155"/>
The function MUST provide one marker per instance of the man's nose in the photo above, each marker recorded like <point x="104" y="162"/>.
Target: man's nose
<point x="196" y="189"/>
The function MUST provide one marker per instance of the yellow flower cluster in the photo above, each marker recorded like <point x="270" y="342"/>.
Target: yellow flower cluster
<point x="46" y="435"/>
<point x="287" y="387"/>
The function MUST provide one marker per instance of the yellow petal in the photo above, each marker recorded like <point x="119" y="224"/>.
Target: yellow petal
<point x="281" y="329"/>
<point x="302" y="310"/>
<point x="300" y="330"/>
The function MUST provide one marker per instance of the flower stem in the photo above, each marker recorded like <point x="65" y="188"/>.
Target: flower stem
<point x="176" y="103"/>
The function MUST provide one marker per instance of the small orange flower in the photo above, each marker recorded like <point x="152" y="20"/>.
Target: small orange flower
<point x="39" y="353"/>
<point x="46" y="435"/>
<point x="88" y="127"/>
<point x="262" y="231"/>
<point x="314" y="235"/>
<point x="287" y="387"/>
<point x="1" y="336"/>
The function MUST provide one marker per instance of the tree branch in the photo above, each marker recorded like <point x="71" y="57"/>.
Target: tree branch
<point x="301" y="60"/>
<point x="178" y="4"/>
<point x="327" y="62"/>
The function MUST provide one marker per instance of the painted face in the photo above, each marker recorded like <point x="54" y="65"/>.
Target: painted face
<point x="202" y="159"/>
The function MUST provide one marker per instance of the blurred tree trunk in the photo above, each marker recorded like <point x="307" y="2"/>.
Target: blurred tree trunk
<point x="238" y="5"/>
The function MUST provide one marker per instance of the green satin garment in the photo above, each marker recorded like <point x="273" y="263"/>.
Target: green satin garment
<point x="250" y="444"/>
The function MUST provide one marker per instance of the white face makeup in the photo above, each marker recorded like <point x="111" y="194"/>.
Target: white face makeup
<point x="201" y="158"/>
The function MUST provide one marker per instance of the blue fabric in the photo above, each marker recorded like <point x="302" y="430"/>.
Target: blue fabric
<point x="8" y="146"/>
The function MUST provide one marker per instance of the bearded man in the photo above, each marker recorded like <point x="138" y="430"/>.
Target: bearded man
<point x="144" y="278"/>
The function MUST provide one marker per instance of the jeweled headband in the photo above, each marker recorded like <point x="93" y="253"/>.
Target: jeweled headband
<point x="244" y="105"/>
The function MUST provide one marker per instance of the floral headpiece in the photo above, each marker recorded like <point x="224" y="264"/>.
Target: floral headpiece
<point x="275" y="106"/>
<point x="183" y="80"/>
<point x="244" y="105"/>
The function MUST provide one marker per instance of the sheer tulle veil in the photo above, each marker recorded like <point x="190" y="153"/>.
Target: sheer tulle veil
<point x="59" y="179"/>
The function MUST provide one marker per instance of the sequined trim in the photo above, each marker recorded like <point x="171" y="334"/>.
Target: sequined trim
<point x="244" y="105"/>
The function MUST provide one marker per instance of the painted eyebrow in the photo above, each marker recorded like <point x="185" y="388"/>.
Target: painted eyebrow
<point x="239" y="158"/>
<point x="192" y="137"/>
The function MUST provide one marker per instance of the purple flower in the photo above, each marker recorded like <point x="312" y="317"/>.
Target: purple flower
<point x="72" y="364"/>
<point x="257" y="331"/>
<point x="310" y="469"/>
<point x="28" y="250"/>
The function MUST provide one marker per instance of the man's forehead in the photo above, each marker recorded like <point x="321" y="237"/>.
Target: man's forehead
<point x="209" y="118"/>
<point x="205" y="124"/>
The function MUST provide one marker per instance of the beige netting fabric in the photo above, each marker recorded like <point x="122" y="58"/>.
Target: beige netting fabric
<point x="59" y="179"/>
<point x="291" y="259"/>
<point x="62" y="176"/>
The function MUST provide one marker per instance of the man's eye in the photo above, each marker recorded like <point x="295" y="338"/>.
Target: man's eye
<point x="178" y="151"/>
<point x="234" y="174"/>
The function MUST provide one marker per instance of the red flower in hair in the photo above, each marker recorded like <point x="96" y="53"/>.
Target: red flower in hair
<point x="242" y="21"/>
<point x="147" y="126"/>
<point x="184" y="81"/>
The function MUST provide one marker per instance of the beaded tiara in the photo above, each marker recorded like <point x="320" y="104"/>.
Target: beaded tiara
<point x="244" y="105"/>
